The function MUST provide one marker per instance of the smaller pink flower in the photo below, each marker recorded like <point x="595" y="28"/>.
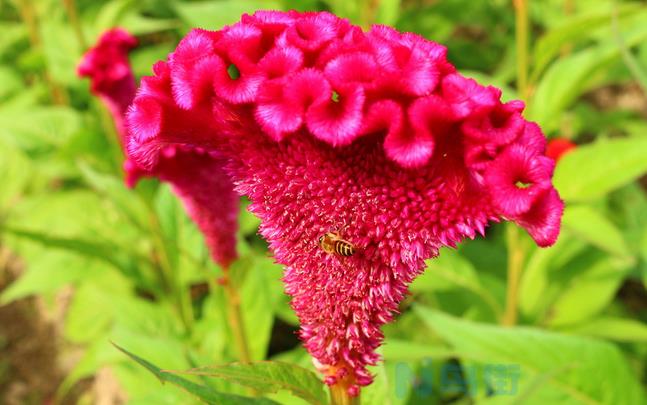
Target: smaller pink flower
<point x="196" y="176"/>
<point x="112" y="79"/>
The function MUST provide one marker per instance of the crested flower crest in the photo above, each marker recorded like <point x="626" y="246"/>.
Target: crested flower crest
<point x="371" y="137"/>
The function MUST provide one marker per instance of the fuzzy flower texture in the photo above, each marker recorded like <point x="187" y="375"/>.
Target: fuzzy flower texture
<point x="195" y="176"/>
<point x="373" y="135"/>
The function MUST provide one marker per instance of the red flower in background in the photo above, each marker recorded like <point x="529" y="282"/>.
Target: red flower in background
<point x="112" y="79"/>
<point x="196" y="177"/>
<point x="370" y="135"/>
<point x="558" y="147"/>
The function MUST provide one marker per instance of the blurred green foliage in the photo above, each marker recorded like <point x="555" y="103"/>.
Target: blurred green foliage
<point x="141" y="276"/>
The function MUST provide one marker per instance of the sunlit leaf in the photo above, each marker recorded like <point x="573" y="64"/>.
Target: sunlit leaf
<point x="400" y="350"/>
<point x="89" y="248"/>
<point x="577" y="369"/>
<point x="449" y="271"/>
<point x="259" y="292"/>
<point x="591" y="171"/>
<point x="270" y="376"/>
<point x="214" y="15"/>
<point x="205" y="393"/>
<point x="589" y="291"/>
<point x="592" y="226"/>
<point x="620" y="329"/>
<point x="569" y="77"/>
<point x="574" y="29"/>
<point x="47" y="273"/>
<point x="39" y="128"/>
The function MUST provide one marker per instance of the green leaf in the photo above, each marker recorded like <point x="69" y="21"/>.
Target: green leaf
<point x="401" y="350"/>
<point x="575" y="369"/>
<point x="593" y="170"/>
<point x="214" y="15"/>
<point x="61" y="49"/>
<point x="48" y="272"/>
<point x="11" y="81"/>
<point x="589" y="292"/>
<point x="536" y="281"/>
<point x="249" y="222"/>
<point x="620" y="329"/>
<point x="383" y="390"/>
<point x="450" y="270"/>
<point x="128" y="203"/>
<point x="259" y="294"/>
<point x="268" y="377"/>
<point x="387" y="12"/>
<point x="142" y="58"/>
<point x="128" y="15"/>
<point x="203" y="392"/>
<point x="38" y="128"/>
<point x="101" y="251"/>
<point x="169" y="218"/>
<point x="15" y="172"/>
<point x="346" y="9"/>
<point x="590" y="225"/>
<point x="12" y="32"/>
<point x="575" y="29"/>
<point x="568" y="78"/>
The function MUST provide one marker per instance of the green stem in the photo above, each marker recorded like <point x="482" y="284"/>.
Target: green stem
<point x="5" y="255"/>
<point x="516" y="254"/>
<point x="516" y="251"/>
<point x="339" y="396"/>
<point x="235" y="314"/>
<point x="70" y="9"/>
<point x="28" y="14"/>
<point x="521" y="36"/>
<point x="368" y="13"/>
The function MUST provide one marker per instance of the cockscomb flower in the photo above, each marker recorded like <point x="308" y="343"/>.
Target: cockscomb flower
<point x="112" y="79"/>
<point x="370" y="135"/>
<point x="196" y="176"/>
<point x="558" y="147"/>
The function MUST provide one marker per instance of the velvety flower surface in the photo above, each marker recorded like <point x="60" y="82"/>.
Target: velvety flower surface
<point x="372" y="135"/>
<point x="197" y="177"/>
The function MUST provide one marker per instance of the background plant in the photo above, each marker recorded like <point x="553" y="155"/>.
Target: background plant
<point x="134" y="269"/>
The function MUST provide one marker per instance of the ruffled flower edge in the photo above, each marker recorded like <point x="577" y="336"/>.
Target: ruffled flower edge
<point x="315" y="74"/>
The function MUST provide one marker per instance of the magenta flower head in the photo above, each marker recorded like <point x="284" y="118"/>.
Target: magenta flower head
<point x="197" y="177"/>
<point x="362" y="154"/>
<point x="112" y="79"/>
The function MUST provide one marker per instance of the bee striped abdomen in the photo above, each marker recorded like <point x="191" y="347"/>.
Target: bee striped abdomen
<point x="344" y="248"/>
<point x="332" y="243"/>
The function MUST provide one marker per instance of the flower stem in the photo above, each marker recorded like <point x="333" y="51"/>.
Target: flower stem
<point x="516" y="251"/>
<point x="368" y="13"/>
<point x="235" y="315"/>
<point x="521" y="36"/>
<point x="70" y="9"/>
<point x="339" y="396"/>
<point x="516" y="254"/>
<point x="28" y="14"/>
